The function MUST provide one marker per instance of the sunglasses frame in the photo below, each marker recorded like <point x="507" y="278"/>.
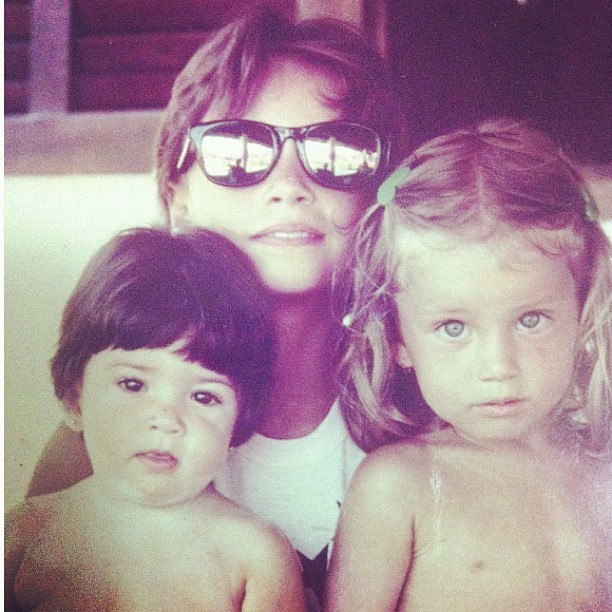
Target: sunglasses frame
<point x="280" y="134"/>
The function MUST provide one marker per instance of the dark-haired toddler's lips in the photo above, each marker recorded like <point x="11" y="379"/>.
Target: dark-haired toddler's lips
<point x="158" y="459"/>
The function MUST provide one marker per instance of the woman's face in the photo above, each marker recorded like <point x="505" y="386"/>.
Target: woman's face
<point x="292" y="228"/>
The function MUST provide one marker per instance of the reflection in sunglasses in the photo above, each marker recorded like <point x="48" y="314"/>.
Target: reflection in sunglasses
<point x="228" y="155"/>
<point x="240" y="153"/>
<point x="338" y="159"/>
<point x="224" y="154"/>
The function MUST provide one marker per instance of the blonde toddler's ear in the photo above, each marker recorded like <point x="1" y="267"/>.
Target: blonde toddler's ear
<point x="402" y="356"/>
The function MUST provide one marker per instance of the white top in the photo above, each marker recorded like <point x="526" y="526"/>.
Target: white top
<point x="297" y="484"/>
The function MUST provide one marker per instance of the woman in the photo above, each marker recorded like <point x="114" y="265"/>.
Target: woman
<point x="288" y="199"/>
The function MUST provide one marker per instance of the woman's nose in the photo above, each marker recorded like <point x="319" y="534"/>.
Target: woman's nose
<point x="289" y="182"/>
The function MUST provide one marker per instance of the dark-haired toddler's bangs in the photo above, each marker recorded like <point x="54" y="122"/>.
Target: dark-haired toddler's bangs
<point x="148" y="288"/>
<point x="158" y="309"/>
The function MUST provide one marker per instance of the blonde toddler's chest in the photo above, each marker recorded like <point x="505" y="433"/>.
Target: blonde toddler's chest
<point x="499" y="544"/>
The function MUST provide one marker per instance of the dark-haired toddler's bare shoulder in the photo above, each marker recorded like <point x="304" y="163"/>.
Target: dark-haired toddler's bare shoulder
<point x="268" y="562"/>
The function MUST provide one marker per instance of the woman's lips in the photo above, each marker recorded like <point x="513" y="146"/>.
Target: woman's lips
<point x="289" y="234"/>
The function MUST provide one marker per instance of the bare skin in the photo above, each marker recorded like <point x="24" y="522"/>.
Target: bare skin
<point x="444" y="523"/>
<point x="304" y="388"/>
<point x="117" y="556"/>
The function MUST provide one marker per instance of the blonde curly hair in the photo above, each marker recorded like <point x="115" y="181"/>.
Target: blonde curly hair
<point x="472" y="182"/>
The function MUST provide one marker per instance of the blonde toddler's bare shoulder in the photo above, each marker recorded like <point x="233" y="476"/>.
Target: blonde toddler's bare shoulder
<point x="599" y="475"/>
<point x="414" y="453"/>
<point x="396" y="467"/>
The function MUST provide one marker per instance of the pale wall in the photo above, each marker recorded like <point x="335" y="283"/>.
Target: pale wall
<point x="53" y="224"/>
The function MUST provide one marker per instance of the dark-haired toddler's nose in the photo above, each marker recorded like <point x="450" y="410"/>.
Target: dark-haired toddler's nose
<point x="166" y="418"/>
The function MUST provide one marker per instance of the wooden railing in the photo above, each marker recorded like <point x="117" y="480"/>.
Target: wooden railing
<point x="67" y="63"/>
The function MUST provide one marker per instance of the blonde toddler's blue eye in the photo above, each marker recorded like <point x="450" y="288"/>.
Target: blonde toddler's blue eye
<point x="453" y="329"/>
<point x="530" y="320"/>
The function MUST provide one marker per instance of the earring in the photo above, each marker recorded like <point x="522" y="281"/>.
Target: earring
<point x="405" y="363"/>
<point x="407" y="369"/>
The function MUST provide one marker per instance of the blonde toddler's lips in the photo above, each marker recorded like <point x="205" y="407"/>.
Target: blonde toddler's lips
<point x="501" y="407"/>
<point x="499" y="402"/>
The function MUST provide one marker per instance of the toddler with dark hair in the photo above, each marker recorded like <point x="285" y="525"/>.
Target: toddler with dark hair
<point x="163" y="362"/>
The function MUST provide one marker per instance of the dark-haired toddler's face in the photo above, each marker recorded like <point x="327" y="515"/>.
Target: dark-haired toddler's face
<point x="157" y="427"/>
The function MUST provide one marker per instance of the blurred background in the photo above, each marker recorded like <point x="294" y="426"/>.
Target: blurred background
<point x="85" y="81"/>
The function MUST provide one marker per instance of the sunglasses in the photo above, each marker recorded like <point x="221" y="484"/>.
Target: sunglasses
<point x="240" y="153"/>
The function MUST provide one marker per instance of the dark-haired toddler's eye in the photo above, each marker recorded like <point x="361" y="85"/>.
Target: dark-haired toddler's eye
<point x="133" y="385"/>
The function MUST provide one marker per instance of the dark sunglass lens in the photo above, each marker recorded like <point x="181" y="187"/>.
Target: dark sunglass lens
<point x="237" y="153"/>
<point x="342" y="154"/>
